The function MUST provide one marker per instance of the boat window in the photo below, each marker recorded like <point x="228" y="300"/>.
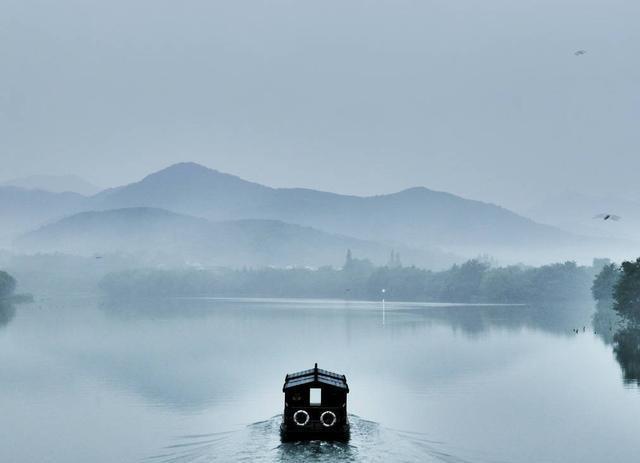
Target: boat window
<point x="315" y="396"/>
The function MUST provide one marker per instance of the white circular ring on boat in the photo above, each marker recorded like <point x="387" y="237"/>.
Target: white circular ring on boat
<point x="332" y="417"/>
<point x="304" y="415"/>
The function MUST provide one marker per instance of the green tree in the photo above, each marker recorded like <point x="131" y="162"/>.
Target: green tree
<point x="507" y="284"/>
<point x="560" y="282"/>
<point x="400" y="283"/>
<point x="463" y="281"/>
<point x="626" y="292"/>
<point x="604" y="282"/>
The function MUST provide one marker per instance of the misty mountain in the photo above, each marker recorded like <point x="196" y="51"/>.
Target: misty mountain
<point x="55" y="184"/>
<point x="416" y="217"/>
<point x="161" y="237"/>
<point x="22" y="210"/>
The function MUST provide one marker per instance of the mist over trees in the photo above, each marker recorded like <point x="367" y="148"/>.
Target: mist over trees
<point x="472" y="281"/>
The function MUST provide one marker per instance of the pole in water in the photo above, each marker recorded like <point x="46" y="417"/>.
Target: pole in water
<point x="383" y="307"/>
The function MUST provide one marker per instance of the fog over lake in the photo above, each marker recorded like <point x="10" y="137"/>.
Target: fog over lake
<point x="199" y="380"/>
<point x="211" y="211"/>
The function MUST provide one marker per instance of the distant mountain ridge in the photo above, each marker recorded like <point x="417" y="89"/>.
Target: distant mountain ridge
<point x="417" y="217"/>
<point x="160" y="236"/>
<point x="54" y="184"/>
<point x="22" y="209"/>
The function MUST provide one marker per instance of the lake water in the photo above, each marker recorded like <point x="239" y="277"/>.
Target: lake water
<point x="199" y="380"/>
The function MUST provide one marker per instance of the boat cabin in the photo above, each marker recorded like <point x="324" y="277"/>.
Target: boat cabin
<point x="315" y="405"/>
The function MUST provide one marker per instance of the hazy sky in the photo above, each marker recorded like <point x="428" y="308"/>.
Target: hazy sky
<point x="483" y="98"/>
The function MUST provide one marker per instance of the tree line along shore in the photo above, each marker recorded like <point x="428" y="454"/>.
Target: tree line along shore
<point x="474" y="281"/>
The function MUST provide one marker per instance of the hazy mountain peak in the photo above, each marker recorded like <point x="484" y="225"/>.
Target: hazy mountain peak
<point x="184" y="187"/>
<point x="184" y="168"/>
<point x="191" y="171"/>
<point x="416" y="190"/>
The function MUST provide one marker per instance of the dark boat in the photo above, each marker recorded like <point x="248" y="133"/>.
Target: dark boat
<point x="315" y="406"/>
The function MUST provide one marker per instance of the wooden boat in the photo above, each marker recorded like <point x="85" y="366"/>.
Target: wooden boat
<point x="315" y="406"/>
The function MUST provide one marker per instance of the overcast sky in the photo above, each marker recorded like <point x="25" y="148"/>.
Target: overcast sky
<point x="482" y="98"/>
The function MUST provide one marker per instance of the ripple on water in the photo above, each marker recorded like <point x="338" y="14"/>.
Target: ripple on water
<point x="260" y="442"/>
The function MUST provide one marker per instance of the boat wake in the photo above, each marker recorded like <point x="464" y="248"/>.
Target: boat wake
<point x="260" y="442"/>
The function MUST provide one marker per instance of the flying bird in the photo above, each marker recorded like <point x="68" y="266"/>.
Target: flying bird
<point x="613" y="217"/>
<point x="580" y="52"/>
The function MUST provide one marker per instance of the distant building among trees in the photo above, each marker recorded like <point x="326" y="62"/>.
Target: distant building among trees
<point x="394" y="260"/>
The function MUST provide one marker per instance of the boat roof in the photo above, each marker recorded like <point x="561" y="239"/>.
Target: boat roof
<point x="315" y="375"/>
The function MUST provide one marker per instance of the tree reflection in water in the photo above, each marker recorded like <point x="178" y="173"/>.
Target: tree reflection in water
<point x="624" y="335"/>
<point x="627" y="350"/>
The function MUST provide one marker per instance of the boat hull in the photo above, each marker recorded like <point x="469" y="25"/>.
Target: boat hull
<point x="290" y="433"/>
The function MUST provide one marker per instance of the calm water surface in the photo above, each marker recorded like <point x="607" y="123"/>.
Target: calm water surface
<point x="199" y="380"/>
